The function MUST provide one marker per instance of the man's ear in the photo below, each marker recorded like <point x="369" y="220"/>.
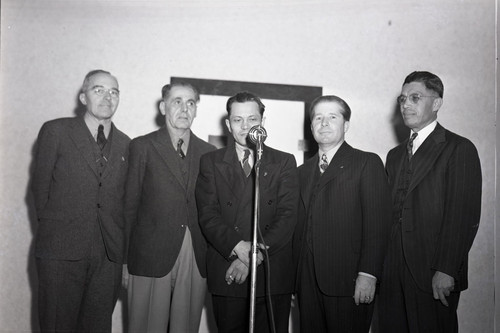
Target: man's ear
<point x="162" y="107"/>
<point x="228" y="125"/>
<point x="346" y="126"/>
<point x="82" y="98"/>
<point x="436" y="105"/>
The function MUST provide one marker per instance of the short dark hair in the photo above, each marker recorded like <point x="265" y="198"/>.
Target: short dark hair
<point x="242" y="97"/>
<point x="86" y="80"/>
<point x="346" y="110"/>
<point x="168" y="87"/>
<point x="431" y="81"/>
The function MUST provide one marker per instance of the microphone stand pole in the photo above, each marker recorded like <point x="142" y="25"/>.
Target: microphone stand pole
<point x="255" y="249"/>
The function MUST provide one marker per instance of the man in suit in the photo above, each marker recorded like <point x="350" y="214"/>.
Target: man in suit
<point x="342" y="233"/>
<point x="78" y="186"/>
<point x="166" y="252"/>
<point x="225" y="193"/>
<point x="435" y="177"/>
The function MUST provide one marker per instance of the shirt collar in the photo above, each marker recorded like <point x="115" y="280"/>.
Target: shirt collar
<point x="240" y="151"/>
<point x="185" y="138"/>
<point x="330" y="153"/>
<point x="93" y="124"/>
<point x="422" y="135"/>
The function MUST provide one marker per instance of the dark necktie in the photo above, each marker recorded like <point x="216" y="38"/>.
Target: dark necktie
<point x="324" y="163"/>
<point x="101" y="138"/>
<point x="179" y="149"/>
<point x="409" y="146"/>
<point x="247" y="168"/>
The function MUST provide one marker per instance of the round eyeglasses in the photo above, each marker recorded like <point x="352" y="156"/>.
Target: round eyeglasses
<point x="100" y="91"/>
<point x="413" y="98"/>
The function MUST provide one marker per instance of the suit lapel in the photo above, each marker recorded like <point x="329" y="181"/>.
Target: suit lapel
<point x="426" y="155"/>
<point x="163" y="145"/>
<point x="118" y="146"/>
<point x="81" y="138"/>
<point x="193" y="158"/>
<point x="307" y="179"/>
<point x="227" y="168"/>
<point x="337" y="165"/>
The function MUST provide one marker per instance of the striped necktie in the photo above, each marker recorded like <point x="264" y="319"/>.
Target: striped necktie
<point x="179" y="148"/>
<point x="247" y="168"/>
<point x="409" y="146"/>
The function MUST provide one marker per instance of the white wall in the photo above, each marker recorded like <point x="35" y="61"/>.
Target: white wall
<point x="360" y="50"/>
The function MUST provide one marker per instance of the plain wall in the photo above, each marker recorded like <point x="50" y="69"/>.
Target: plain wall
<point x="360" y="50"/>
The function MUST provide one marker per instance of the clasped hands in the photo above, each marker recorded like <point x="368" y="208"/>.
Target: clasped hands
<point x="239" y="268"/>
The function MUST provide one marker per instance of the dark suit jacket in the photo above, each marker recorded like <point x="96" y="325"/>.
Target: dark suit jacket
<point x="69" y="194"/>
<point x="349" y="213"/>
<point x="225" y="205"/>
<point x="159" y="206"/>
<point x="442" y="208"/>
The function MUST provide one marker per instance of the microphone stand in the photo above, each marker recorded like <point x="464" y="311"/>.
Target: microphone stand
<point x="255" y="249"/>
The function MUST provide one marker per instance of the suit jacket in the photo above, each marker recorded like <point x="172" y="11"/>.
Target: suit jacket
<point x="348" y="213"/>
<point x="70" y="196"/>
<point x="159" y="205"/>
<point x="442" y="208"/>
<point x="225" y="204"/>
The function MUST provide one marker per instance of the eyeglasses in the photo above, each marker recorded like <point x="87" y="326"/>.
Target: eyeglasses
<point x="413" y="98"/>
<point x="100" y="91"/>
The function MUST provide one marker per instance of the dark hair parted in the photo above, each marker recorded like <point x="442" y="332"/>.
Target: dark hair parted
<point x="430" y="81"/>
<point x="168" y="87"/>
<point x="346" y="110"/>
<point x="242" y="97"/>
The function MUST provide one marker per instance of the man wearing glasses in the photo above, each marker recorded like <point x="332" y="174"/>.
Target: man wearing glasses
<point x="78" y="187"/>
<point x="435" y="176"/>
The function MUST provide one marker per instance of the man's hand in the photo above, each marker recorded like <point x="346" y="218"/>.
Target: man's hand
<point x="242" y="250"/>
<point x="237" y="272"/>
<point x="442" y="285"/>
<point x="364" y="292"/>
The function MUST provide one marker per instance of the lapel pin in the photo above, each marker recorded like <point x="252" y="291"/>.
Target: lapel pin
<point x="123" y="159"/>
<point x="265" y="173"/>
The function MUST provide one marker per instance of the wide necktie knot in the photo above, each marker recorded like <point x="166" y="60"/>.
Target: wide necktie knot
<point x="179" y="148"/>
<point x="247" y="168"/>
<point x="101" y="138"/>
<point x="324" y="163"/>
<point x="409" y="146"/>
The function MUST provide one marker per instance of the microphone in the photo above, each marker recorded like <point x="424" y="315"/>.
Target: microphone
<point x="257" y="134"/>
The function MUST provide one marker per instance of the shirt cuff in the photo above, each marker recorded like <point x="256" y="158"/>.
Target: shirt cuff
<point x="366" y="274"/>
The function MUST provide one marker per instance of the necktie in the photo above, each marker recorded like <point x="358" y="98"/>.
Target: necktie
<point x="179" y="149"/>
<point x="324" y="163"/>
<point x="409" y="146"/>
<point x="101" y="138"/>
<point x="247" y="168"/>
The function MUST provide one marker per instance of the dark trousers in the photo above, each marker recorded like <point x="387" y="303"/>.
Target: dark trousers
<point x="322" y="313"/>
<point x="403" y="307"/>
<point x="232" y="313"/>
<point x="78" y="296"/>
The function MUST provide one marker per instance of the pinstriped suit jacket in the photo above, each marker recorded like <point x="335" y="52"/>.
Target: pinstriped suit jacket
<point x="348" y="212"/>
<point x="442" y="208"/>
